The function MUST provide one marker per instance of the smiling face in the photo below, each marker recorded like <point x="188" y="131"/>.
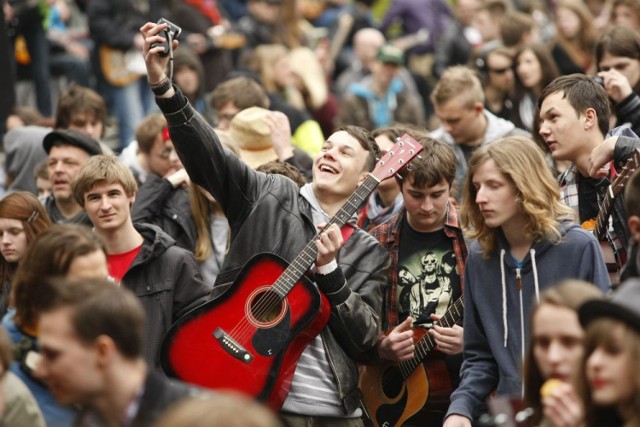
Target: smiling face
<point x="529" y="69"/>
<point x="607" y="371"/>
<point x="496" y="197"/>
<point x="108" y="206"/>
<point x="339" y="167"/>
<point x="557" y="341"/>
<point x="63" y="165"/>
<point x="13" y="239"/>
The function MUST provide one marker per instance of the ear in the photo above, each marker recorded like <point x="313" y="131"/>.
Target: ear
<point x="478" y="107"/>
<point x="590" y="119"/>
<point x="634" y="227"/>
<point x="105" y="349"/>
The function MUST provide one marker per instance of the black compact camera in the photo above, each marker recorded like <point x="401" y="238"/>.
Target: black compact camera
<point x="170" y="33"/>
<point x="599" y="80"/>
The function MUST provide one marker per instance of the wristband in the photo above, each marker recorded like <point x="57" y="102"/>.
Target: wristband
<point x="162" y="87"/>
<point x="327" y="268"/>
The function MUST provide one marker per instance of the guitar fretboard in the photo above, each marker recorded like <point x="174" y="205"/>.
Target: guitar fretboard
<point x="616" y="187"/>
<point x="307" y="257"/>
<point x="427" y="343"/>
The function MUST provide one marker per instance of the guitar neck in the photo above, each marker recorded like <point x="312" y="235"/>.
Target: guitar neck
<point x="427" y="343"/>
<point x="603" y="215"/>
<point x="307" y="257"/>
<point x="616" y="187"/>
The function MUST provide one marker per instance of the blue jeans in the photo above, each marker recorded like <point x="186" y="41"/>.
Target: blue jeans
<point x="130" y="104"/>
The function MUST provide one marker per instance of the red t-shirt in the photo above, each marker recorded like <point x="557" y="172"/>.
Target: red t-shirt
<point x="119" y="263"/>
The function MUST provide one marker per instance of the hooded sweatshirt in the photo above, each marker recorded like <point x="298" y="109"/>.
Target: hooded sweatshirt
<point x="497" y="311"/>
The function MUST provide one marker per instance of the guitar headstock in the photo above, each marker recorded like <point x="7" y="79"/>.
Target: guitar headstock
<point x="405" y="149"/>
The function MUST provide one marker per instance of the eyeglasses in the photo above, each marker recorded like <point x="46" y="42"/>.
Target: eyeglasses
<point x="499" y="70"/>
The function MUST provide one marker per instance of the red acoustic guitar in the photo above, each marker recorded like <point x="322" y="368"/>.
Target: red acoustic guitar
<point x="251" y="337"/>
<point x="392" y="393"/>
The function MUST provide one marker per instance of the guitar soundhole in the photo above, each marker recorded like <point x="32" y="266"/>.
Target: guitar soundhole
<point x="392" y="383"/>
<point x="266" y="307"/>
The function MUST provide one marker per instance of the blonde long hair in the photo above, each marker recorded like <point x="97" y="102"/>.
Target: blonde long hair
<point x="524" y="165"/>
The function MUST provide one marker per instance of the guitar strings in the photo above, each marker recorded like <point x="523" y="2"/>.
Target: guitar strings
<point x="266" y="304"/>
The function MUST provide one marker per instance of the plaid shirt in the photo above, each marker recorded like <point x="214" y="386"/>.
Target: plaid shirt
<point x="388" y="234"/>
<point x="568" y="181"/>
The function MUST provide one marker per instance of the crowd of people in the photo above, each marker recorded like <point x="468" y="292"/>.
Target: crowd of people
<point x="501" y="262"/>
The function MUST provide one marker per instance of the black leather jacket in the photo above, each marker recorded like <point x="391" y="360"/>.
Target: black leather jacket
<point x="266" y="213"/>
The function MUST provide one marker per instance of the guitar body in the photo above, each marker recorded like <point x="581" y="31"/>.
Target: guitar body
<point x="390" y="400"/>
<point x="114" y="67"/>
<point x="249" y="339"/>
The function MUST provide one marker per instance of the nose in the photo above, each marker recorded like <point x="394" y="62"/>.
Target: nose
<point x="40" y="370"/>
<point x="330" y="153"/>
<point x="427" y="204"/>
<point x="595" y="359"/>
<point x="173" y="157"/>
<point x="544" y="130"/>
<point x="58" y="167"/>
<point x="447" y="126"/>
<point x="480" y="196"/>
<point x="6" y="239"/>
<point x="555" y="353"/>
<point x="105" y="204"/>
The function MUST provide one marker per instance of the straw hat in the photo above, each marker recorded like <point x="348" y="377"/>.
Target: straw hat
<point x="252" y="137"/>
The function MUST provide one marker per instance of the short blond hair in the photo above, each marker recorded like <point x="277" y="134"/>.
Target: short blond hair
<point x="103" y="169"/>
<point x="461" y="82"/>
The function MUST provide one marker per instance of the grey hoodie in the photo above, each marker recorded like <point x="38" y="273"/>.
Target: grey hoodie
<point x="496" y="313"/>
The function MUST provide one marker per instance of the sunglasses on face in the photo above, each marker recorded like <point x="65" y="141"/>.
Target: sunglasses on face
<point x="499" y="70"/>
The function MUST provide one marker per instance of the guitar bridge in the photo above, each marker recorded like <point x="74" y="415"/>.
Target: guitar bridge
<point x="232" y="347"/>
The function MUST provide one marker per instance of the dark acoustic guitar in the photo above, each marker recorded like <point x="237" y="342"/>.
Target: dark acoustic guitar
<point x="250" y="338"/>
<point x="394" y="392"/>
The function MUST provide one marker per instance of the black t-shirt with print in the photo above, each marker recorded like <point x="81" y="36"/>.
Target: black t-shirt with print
<point x="428" y="280"/>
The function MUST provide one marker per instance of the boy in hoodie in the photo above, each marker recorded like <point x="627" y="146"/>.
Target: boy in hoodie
<point x="525" y="242"/>
<point x="466" y="124"/>
<point x="140" y="257"/>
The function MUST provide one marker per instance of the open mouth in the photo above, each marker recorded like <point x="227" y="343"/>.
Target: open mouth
<point x="328" y="169"/>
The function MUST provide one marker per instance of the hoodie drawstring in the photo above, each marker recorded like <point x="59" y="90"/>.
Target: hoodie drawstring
<point x="536" y="285"/>
<point x="504" y="299"/>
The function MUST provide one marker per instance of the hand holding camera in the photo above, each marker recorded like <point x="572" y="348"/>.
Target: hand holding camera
<point x="169" y="34"/>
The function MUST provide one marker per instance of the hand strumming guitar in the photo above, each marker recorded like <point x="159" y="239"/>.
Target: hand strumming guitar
<point x="398" y="345"/>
